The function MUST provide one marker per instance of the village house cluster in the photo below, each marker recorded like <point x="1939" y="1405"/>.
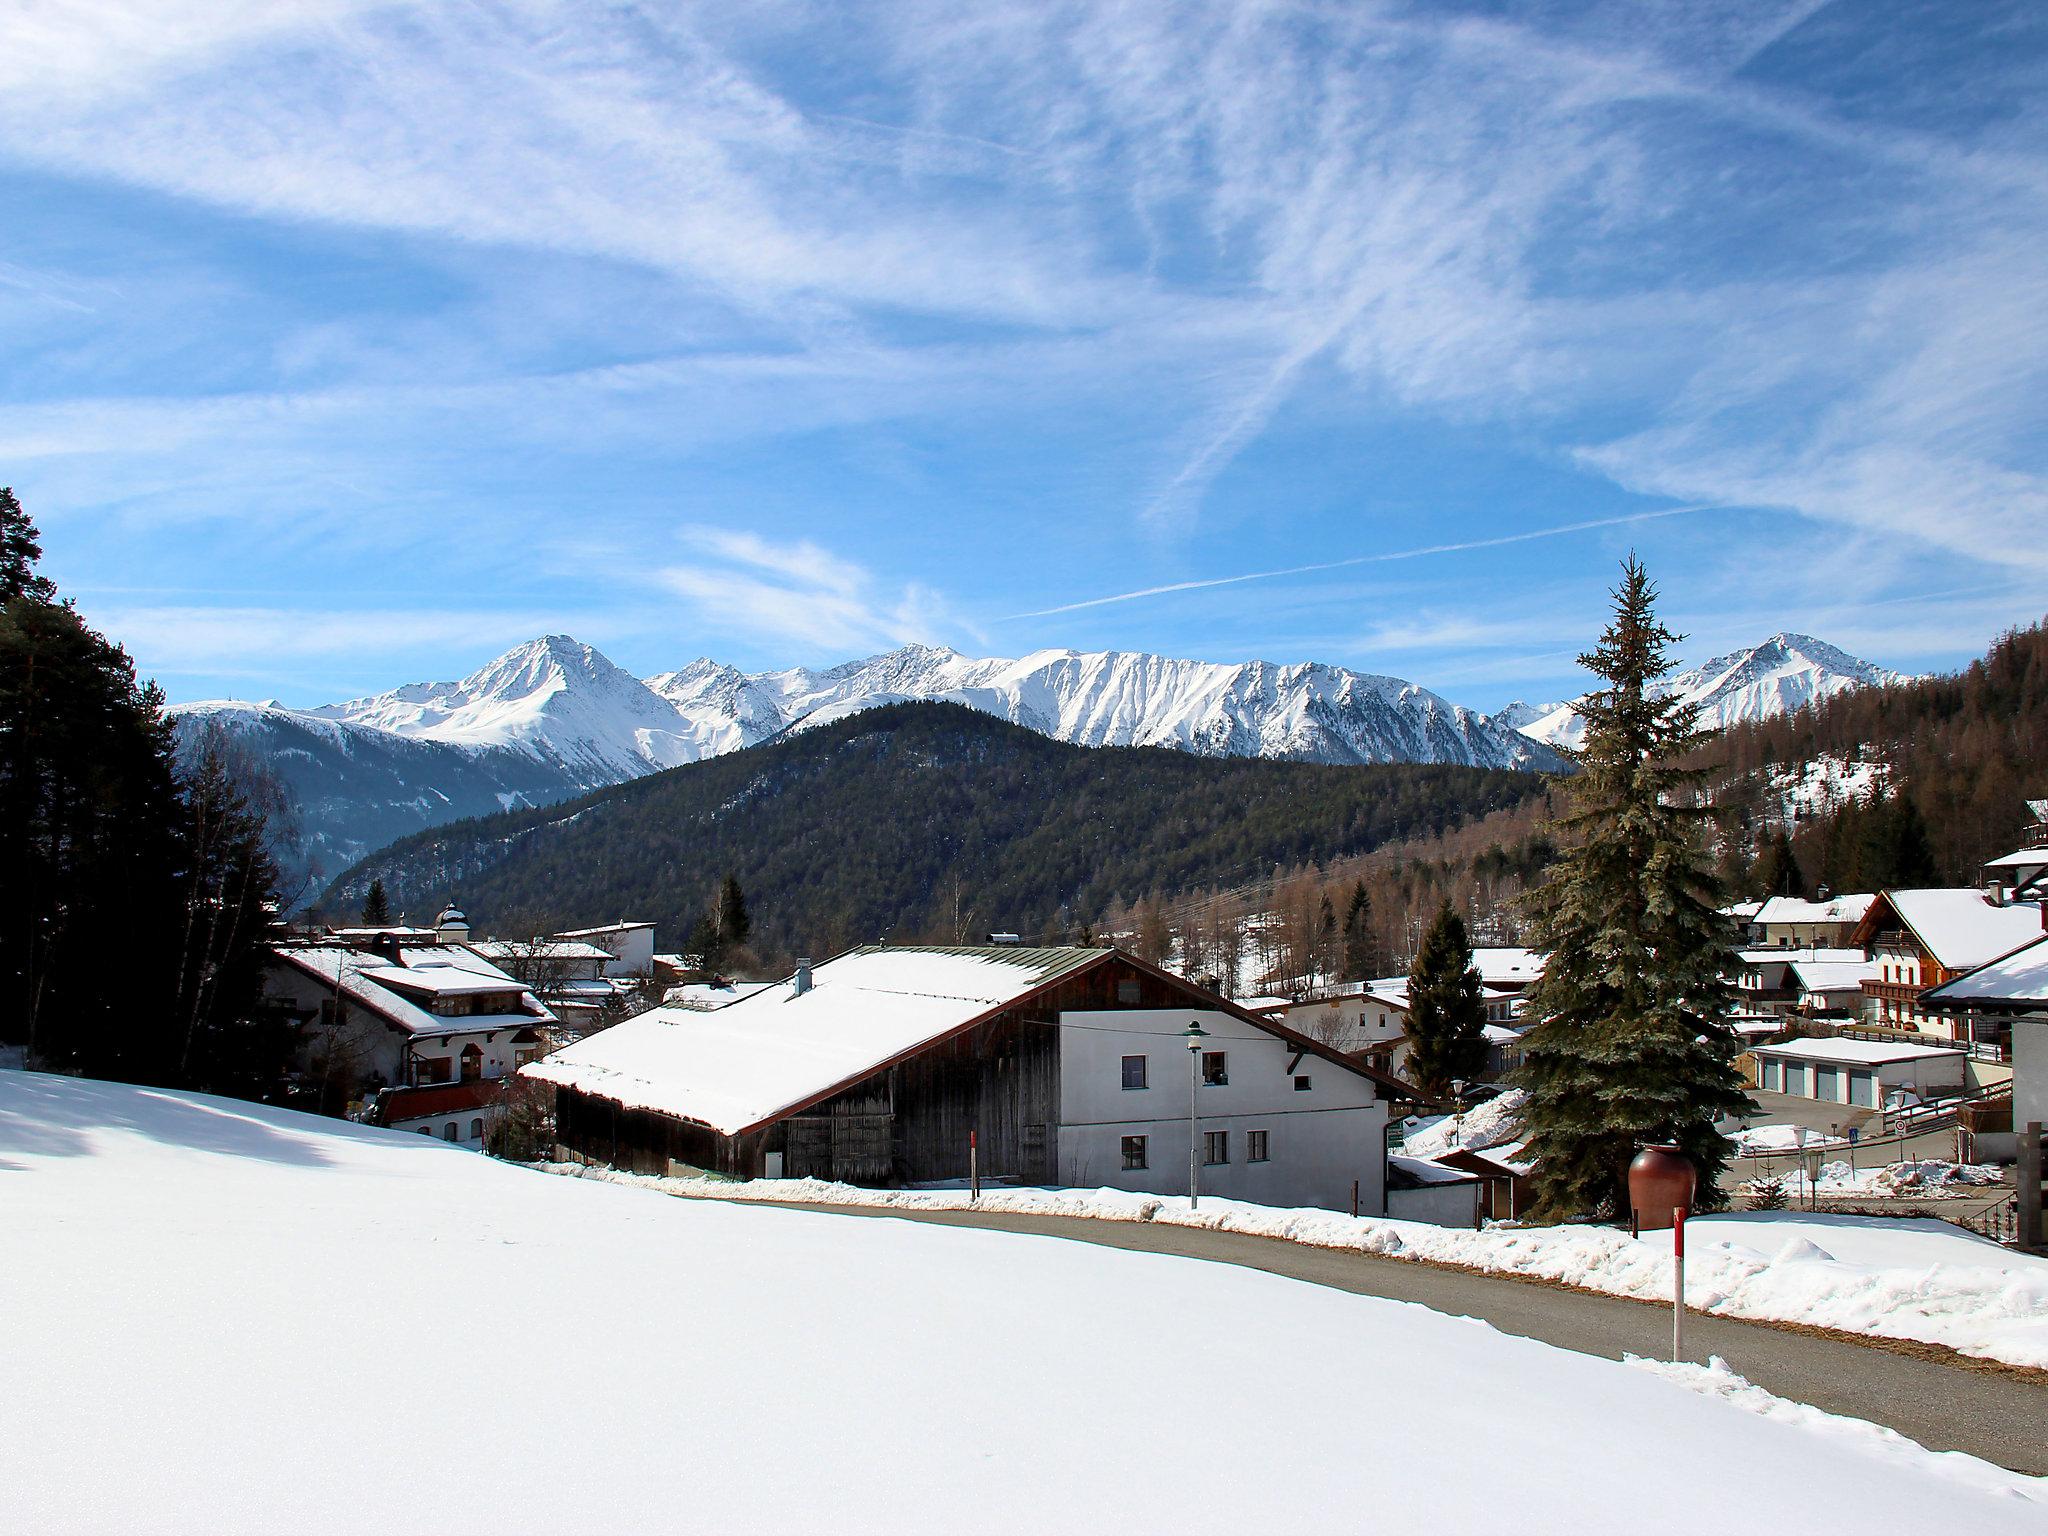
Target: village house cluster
<point x="1086" y="1066"/>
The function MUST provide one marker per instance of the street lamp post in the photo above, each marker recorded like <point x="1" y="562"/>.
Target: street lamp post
<point x="1194" y="1035"/>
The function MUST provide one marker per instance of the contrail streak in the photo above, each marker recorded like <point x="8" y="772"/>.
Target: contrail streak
<point x="1338" y="565"/>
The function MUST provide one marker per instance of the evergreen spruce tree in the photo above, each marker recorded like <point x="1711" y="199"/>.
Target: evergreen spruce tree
<point x="20" y="549"/>
<point x="376" y="906"/>
<point x="730" y="913"/>
<point x="1446" y="1012"/>
<point x="1630" y="1046"/>
<point x="1777" y="867"/>
<point x="1358" y="946"/>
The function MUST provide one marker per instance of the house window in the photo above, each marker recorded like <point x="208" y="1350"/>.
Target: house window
<point x="1134" y="1153"/>
<point x="476" y="1130"/>
<point x="1255" y="1146"/>
<point x="448" y="1131"/>
<point x="472" y="1063"/>
<point x="521" y="1058"/>
<point x="1215" y="1147"/>
<point x="1134" y="1072"/>
<point x="1215" y="1069"/>
<point x="1302" y="1083"/>
<point x="1127" y="993"/>
<point x="426" y="1130"/>
<point x="430" y="1069"/>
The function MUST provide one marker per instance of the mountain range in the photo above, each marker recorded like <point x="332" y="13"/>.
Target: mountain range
<point x="554" y="718"/>
<point x="1786" y="673"/>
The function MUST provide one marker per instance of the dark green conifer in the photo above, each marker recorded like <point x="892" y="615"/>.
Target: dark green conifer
<point x="1630" y="1044"/>
<point x="1446" y="1011"/>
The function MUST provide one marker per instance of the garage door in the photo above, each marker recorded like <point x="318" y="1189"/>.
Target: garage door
<point x="1772" y="1076"/>
<point x="1795" y="1077"/>
<point x="1862" y="1090"/>
<point x="1827" y="1084"/>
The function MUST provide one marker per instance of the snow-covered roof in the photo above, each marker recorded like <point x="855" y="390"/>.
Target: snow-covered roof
<point x="1500" y="1034"/>
<point x="2020" y="979"/>
<point x="372" y="981"/>
<point x="2024" y="858"/>
<point x="736" y="1067"/>
<point x="1422" y="1170"/>
<point x="587" y="933"/>
<point x="771" y="1053"/>
<point x="1507" y="964"/>
<point x="498" y="951"/>
<point x="1742" y="909"/>
<point x="1264" y="1004"/>
<point x="706" y="995"/>
<point x="1868" y="1053"/>
<point x="1834" y="975"/>
<point x="1957" y="925"/>
<point x="1837" y="909"/>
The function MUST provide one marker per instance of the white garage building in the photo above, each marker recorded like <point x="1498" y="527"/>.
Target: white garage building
<point x="1857" y="1072"/>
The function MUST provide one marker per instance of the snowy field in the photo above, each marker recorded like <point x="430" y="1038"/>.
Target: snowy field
<point x="225" y="1319"/>
<point x="1918" y="1179"/>
<point x="1897" y="1278"/>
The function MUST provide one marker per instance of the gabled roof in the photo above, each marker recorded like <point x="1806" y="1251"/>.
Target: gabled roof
<point x="2018" y="982"/>
<point x="777" y="1052"/>
<point x="1828" y="974"/>
<point x="1836" y="909"/>
<point x="375" y="984"/>
<point x="1956" y="925"/>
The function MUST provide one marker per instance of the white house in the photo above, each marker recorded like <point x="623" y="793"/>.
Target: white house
<point x="1788" y="922"/>
<point x="1920" y="939"/>
<point x="630" y="945"/>
<point x="1857" y="1072"/>
<point x="1065" y="1065"/>
<point x="400" y="1014"/>
<point x="570" y="976"/>
<point x="2013" y="993"/>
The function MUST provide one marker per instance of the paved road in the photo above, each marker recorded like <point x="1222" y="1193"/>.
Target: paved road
<point x="1999" y="1417"/>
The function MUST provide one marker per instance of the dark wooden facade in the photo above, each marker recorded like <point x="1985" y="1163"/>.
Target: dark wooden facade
<point x="909" y="1121"/>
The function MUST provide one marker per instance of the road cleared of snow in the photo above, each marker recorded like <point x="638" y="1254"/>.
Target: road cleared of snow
<point x="223" y="1318"/>
<point x="1901" y="1278"/>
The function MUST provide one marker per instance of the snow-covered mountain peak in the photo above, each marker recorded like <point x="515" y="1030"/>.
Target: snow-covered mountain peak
<point x="1787" y="672"/>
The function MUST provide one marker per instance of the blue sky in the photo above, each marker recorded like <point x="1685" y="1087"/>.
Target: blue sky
<point x="345" y="344"/>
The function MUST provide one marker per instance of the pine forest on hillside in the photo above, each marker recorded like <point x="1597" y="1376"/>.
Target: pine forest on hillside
<point x="923" y="821"/>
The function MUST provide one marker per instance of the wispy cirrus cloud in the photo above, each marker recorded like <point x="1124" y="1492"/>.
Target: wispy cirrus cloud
<point x="797" y="593"/>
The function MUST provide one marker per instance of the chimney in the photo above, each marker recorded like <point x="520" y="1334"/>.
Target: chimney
<point x="801" y="982"/>
<point x="1821" y="895"/>
<point x="385" y="947"/>
<point x="1994" y="892"/>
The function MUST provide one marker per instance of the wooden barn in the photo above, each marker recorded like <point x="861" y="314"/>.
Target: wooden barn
<point x="1068" y="1065"/>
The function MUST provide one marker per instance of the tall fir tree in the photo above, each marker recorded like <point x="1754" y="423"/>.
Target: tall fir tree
<point x="1777" y="870"/>
<point x="1631" y="1044"/>
<point x="1446" y="1010"/>
<point x="376" y="906"/>
<point x="1359" y="955"/>
<point x="730" y="913"/>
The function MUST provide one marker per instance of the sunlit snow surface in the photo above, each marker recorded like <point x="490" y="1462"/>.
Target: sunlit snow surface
<point x="225" y="1319"/>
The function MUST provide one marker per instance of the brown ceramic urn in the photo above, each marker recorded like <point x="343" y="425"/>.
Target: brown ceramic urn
<point x="1660" y="1181"/>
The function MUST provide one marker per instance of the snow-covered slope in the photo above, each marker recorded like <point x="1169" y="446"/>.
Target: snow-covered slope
<point x="1785" y="673"/>
<point x="554" y="718"/>
<point x="227" y="1318"/>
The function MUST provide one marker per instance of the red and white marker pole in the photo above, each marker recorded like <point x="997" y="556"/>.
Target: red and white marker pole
<point x="973" y="1167"/>
<point x="1678" y="1283"/>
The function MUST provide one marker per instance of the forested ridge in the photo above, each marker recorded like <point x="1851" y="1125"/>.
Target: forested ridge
<point x="921" y="820"/>
<point x="1962" y="753"/>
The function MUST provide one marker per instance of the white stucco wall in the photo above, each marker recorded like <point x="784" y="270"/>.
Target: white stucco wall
<point x="2029" y="1070"/>
<point x="379" y="1045"/>
<point x="1319" y="1139"/>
